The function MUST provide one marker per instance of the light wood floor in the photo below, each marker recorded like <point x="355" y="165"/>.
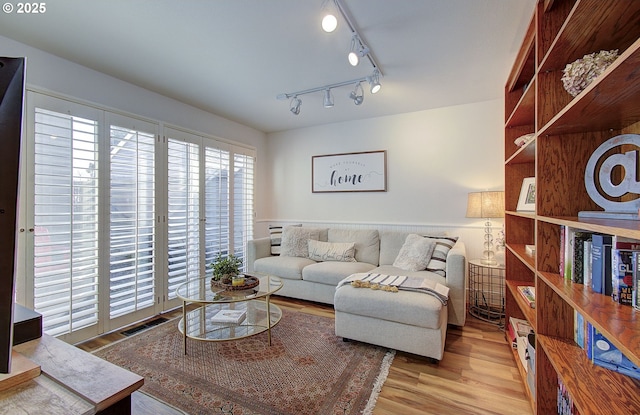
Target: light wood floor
<point x="476" y="376"/>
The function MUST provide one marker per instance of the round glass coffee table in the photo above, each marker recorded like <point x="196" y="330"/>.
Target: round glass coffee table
<point x="227" y="314"/>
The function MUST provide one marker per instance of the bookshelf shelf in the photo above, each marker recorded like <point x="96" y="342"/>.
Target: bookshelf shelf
<point x="567" y="131"/>
<point x="526" y="154"/>
<point x="529" y="313"/>
<point x="592" y="386"/>
<point x="620" y="324"/>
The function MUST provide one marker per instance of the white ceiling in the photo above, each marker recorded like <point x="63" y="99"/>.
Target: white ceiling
<point x="233" y="57"/>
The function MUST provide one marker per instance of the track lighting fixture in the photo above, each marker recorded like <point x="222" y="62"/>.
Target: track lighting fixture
<point x="328" y="99"/>
<point x="295" y="105"/>
<point x="357" y="95"/>
<point x="358" y="50"/>
<point x="374" y="81"/>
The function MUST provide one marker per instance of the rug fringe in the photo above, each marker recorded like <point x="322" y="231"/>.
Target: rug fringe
<point x="377" y="387"/>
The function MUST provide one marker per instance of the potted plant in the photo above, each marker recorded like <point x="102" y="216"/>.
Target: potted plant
<point x="225" y="268"/>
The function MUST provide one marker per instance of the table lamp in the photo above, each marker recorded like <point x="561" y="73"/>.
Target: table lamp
<point x="486" y="205"/>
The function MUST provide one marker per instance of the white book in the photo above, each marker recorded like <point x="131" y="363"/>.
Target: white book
<point x="229" y="316"/>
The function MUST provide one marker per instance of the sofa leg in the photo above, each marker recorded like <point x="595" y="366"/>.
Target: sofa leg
<point x="344" y="339"/>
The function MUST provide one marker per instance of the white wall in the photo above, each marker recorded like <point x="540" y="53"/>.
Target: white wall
<point x="434" y="159"/>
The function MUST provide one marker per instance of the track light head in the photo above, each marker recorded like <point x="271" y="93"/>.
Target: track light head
<point x="357" y="95"/>
<point x="295" y="105"/>
<point x="328" y="99"/>
<point x="329" y="23"/>
<point x="374" y="81"/>
<point x="358" y="50"/>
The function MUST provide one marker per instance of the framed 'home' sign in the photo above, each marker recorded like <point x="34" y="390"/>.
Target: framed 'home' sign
<point x="349" y="172"/>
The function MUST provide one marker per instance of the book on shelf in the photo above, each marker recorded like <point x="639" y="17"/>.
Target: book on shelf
<point x="579" y="329"/>
<point x="577" y="246"/>
<point x="636" y="281"/>
<point x="565" y="271"/>
<point x="605" y="354"/>
<point x="588" y="260"/>
<point x="565" y="402"/>
<point x="528" y="292"/>
<point x="601" y="263"/>
<point x="622" y="266"/>
<point x="229" y="316"/>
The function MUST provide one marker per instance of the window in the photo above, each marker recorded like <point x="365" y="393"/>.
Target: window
<point x="120" y="217"/>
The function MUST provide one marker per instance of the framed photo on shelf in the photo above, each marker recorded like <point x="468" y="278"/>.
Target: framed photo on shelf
<point x="527" y="200"/>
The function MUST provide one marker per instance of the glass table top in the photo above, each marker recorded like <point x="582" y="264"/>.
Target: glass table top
<point x="200" y="290"/>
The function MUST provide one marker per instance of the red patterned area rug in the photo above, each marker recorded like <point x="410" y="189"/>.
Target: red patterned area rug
<point x="306" y="370"/>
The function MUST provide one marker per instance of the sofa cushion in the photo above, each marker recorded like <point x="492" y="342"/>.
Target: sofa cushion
<point x="332" y="251"/>
<point x="367" y="242"/>
<point x="294" y="241"/>
<point x="282" y="266"/>
<point x="408" y="307"/>
<point x="331" y="272"/>
<point x="438" y="263"/>
<point x="415" y="253"/>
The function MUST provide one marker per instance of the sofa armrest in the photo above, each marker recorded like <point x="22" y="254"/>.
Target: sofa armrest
<point x="256" y="249"/>
<point x="457" y="282"/>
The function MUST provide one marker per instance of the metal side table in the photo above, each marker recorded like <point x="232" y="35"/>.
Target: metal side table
<point x="486" y="292"/>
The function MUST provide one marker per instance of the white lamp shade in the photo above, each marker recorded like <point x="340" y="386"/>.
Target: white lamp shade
<point x="485" y="205"/>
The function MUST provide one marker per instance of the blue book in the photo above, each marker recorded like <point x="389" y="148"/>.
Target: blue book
<point x="605" y="354"/>
<point x="601" y="261"/>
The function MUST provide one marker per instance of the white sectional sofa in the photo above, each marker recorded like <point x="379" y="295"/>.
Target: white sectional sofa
<point x="312" y="280"/>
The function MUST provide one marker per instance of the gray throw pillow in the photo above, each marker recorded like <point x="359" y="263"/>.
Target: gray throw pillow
<point x="415" y="253"/>
<point x="295" y="241"/>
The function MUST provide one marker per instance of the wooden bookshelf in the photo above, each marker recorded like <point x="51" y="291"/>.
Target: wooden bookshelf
<point x="567" y="131"/>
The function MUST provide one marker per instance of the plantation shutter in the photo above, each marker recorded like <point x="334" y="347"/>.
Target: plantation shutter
<point x="216" y="203"/>
<point x="132" y="220"/>
<point x="243" y="208"/>
<point x="183" y="221"/>
<point x="66" y="220"/>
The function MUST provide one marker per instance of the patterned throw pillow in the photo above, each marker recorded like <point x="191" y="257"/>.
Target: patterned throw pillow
<point x="332" y="251"/>
<point x="438" y="263"/>
<point x="275" y="233"/>
<point x="294" y="241"/>
<point x="415" y="253"/>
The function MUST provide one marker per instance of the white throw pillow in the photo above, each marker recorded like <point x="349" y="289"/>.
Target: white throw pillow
<point x="415" y="253"/>
<point x="294" y="241"/>
<point x="332" y="251"/>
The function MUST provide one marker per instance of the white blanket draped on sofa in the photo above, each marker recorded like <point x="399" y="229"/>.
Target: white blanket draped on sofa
<point x="402" y="282"/>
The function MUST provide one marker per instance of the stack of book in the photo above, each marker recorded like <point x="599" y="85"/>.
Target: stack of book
<point x="519" y="331"/>
<point x="606" y="263"/>
<point x="528" y="292"/>
<point x="229" y="316"/>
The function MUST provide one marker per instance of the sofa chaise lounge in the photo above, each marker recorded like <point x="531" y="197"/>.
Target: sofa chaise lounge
<point x="406" y="320"/>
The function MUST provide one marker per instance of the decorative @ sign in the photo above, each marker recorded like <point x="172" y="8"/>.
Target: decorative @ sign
<point x="602" y="188"/>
